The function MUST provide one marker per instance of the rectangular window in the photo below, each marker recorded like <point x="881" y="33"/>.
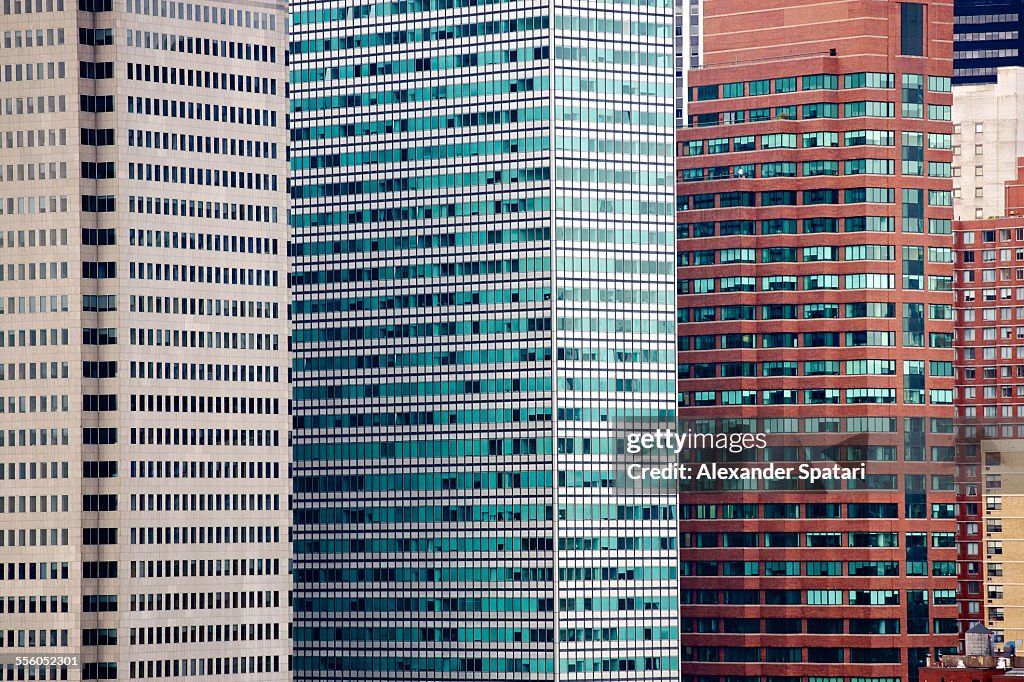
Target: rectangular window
<point x="912" y="29"/>
<point x="821" y="110"/>
<point x="755" y="88"/>
<point x="779" y="141"/>
<point x="707" y="92"/>
<point x="868" y="80"/>
<point x="869" y="108"/>
<point x="913" y="95"/>
<point x="939" y="84"/>
<point x="821" y="82"/>
<point x="731" y="90"/>
<point x="785" y="85"/>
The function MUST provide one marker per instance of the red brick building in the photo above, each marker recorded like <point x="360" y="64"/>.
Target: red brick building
<point x="815" y="304"/>
<point x="990" y="398"/>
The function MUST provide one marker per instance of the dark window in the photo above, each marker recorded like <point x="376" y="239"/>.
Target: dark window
<point x="824" y="626"/>
<point x="912" y="29"/>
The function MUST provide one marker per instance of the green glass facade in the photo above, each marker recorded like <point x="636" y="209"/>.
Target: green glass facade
<point x="483" y="283"/>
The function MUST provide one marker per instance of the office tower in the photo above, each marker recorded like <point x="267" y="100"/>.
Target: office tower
<point x="815" y="254"/>
<point x="483" y="289"/>
<point x="990" y="411"/>
<point x="143" y="379"/>
<point x="988" y="140"/>
<point x="986" y="36"/>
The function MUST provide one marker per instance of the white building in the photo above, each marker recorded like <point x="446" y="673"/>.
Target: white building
<point x="988" y="138"/>
<point x="143" y="339"/>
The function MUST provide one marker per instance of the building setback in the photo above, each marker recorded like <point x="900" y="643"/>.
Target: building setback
<point x="815" y="305"/>
<point x="483" y="287"/>
<point x="988" y="141"/>
<point x="143" y="340"/>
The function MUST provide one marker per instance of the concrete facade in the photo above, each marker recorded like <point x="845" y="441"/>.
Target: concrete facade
<point x="988" y="139"/>
<point x="143" y="375"/>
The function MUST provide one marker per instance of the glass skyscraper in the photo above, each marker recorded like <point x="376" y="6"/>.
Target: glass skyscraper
<point x="483" y="292"/>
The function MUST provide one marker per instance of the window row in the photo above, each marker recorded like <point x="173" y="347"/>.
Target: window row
<point x="735" y="228"/>
<point x="208" y="80"/>
<point x="807" y="169"/>
<point x="206" y="437"/>
<point x="204" y="306"/>
<point x="811" y="197"/>
<point x="192" y="535"/>
<point x="33" y="38"/>
<point x="807" y="254"/>
<point x="791" y="368"/>
<point x="815" y="396"/>
<point x="809" y="140"/>
<point x="199" y="372"/>
<point x="30" y="404"/>
<point x="202" y="404"/>
<point x="816" y="282"/>
<point x="821" y="81"/>
<point x="41" y="171"/>
<point x="200" y="111"/>
<point x="16" y="272"/>
<point x="217" y="210"/>
<point x="208" y="177"/>
<point x="36" y="71"/>
<point x="203" y="567"/>
<point x="202" y="144"/>
<point x="207" y="14"/>
<point x="860" y="109"/>
<point x="233" y="632"/>
<point x="31" y="504"/>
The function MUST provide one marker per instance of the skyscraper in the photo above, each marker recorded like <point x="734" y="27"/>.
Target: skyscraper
<point x="143" y="324"/>
<point x="816" y="307"/>
<point x="482" y="294"/>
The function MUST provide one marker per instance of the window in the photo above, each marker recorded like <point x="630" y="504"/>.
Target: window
<point x="869" y="108"/>
<point x="818" y="139"/>
<point x="785" y="85"/>
<point x="780" y="140"/>
<point x="821" y="110"/>
<point x="707" y="92"/>
<point x="813" y="168"/>
<point x="820" y="82"/>
<point x="912" y="29"/>
<point x="868" y="80"/>
<point x="731" y="90"/>
<point x="743" y="144"/>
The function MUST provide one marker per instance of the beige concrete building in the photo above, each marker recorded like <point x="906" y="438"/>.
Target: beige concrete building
<point x="988" y="138"/>
<point x="143" y="340"/>
<point x="1003" y="526"/>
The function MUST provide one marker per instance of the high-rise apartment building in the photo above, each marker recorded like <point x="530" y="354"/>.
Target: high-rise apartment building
<point x="815" y="300"/>
<point x="986" y="36"/>
<point x="143" y="326"/>
<point x="483" y="294"/>
<point x="988" y="141"/>
<point x="990" y="421"/>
